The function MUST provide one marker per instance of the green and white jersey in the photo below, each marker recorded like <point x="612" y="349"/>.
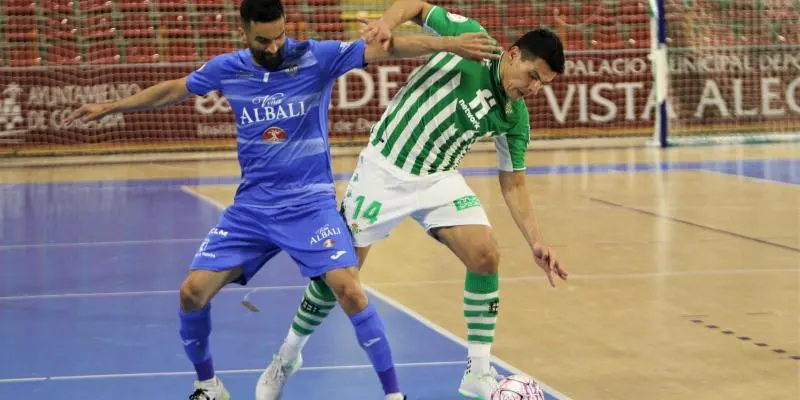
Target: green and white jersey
<point x="448" y="104"/>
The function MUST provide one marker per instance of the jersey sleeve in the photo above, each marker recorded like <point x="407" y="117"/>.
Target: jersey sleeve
<point x="206" y="78"/>
<point x="443" y="23"/>
<point x="339" y="57"/>
<point x="513" y="146"/>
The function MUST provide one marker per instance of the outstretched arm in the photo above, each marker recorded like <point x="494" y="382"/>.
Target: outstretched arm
<point x="160" y="95"/>
<point x="519" y="202"/>
<point x="465" y="38"/>
<point x="476" y="46"/>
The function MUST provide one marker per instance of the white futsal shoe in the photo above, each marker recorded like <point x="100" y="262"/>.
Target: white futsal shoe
<point x="271" y="382"/>
<point x="479" y="387"/>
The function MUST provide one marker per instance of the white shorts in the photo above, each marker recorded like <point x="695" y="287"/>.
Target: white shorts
<point x="380" y="195"/>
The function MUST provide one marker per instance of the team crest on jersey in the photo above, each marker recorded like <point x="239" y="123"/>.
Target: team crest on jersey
<point x="328" y="243"/>
<point x="274" y="134"/>
<point x="456" y="17"/>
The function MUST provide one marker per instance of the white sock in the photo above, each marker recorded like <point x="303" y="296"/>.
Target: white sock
<point x="292" y="345"/>
<point x="479" y="358"/>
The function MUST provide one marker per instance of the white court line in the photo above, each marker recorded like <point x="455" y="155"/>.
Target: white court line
<point x="642" y="275"/>
<point x="221" y="372"/>
<point x="207" y="199"/>
<point x="98" y="244"/>
<point x="17" y="380"/>
<point x="144" y="293"/>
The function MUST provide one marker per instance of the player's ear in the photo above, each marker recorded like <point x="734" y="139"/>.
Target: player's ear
<point x="514" y="53"/>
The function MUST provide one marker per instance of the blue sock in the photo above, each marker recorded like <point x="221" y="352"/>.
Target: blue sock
<point x="195" y="330"/>
<point x="372" y="338"/>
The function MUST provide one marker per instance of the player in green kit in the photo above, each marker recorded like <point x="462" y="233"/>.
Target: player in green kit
<point x="409" y="168"/>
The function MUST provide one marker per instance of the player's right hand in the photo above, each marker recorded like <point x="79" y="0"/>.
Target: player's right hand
<point x="88" y="112"/>
<point x="475" y="46"/>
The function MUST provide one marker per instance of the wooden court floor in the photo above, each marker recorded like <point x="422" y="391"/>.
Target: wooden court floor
<point x="685" y="283"/>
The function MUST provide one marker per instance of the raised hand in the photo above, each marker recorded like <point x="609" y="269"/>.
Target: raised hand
<point x="376" y="30"/>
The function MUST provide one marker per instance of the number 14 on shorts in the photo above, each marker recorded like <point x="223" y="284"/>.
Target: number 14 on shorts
<point x="370" y="213"/>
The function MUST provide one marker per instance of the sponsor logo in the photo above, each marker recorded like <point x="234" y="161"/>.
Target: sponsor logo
<point x="270" y="108"/>
<point x="324" y="233"/>
<point x="212" y="130"/>
<point x="467" y="202"/>
<point x="372" y="341"/>
<point x="220" y="232"/>
<point x="343" y="46"/>
<point x="10" y="111"/>
<point x="274" y="134"/>
<point x="456" y="17"/>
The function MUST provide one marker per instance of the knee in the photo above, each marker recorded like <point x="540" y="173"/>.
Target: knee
<point x="351" y="297"/>
<point x="485" y="260"/>
<point x="192" y="295"/>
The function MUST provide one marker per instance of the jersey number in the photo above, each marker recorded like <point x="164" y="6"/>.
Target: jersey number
<point x="370" y="213"/>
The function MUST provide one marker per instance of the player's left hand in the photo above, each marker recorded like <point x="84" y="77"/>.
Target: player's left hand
<point x="376" y="30"/>
<point x="546" y="260"/>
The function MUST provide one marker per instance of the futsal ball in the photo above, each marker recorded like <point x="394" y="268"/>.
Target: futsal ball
<point x="518" y="387"/>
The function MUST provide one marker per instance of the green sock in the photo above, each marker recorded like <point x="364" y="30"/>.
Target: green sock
<point x="318" y="301"/>
<point x="481" y="304"/>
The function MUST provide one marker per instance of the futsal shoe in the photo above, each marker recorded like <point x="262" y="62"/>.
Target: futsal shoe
<point x="210" y="389"/>
<point x="396" y="396"/>
<point x="271" y="382"/>
<point x="478" y="387"/>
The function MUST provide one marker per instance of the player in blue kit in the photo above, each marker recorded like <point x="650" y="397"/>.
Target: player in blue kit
<point x="279" y="90"/>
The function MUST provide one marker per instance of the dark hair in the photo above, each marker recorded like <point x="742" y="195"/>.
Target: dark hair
<point x="544" y="44"/>
<point x="260" y="11"/>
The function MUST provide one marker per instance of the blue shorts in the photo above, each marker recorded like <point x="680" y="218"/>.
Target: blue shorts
<point x="315" y="236"/>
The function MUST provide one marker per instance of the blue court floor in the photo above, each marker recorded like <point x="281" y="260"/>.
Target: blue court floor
<point x="88" y="299"/>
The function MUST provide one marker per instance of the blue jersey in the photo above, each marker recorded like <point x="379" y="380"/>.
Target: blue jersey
<point x="282" y="118"/>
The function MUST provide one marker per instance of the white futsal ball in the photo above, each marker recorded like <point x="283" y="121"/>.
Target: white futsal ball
<point x="518" y="387"/>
